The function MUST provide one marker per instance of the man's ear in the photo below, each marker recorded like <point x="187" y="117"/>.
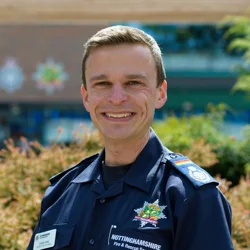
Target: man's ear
<point x="161" y="97"/>
<point x="84" y="93"/>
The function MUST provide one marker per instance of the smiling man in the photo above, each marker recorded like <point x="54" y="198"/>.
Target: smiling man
<point x="121" y="95"/>
<point x="135" y="194"/>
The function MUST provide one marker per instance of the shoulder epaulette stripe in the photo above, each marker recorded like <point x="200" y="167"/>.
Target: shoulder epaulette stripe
<point x="192" y="171"/>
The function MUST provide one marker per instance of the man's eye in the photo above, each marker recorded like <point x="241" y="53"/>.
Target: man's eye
<point x="133" y="83"/>
<point x="102" y="83"/>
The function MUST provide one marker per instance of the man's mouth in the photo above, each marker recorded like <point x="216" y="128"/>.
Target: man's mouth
<point x="118" y="115"/>
<point x="122" y="115"/>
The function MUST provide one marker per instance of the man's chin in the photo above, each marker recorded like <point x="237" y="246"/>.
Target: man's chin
<point x="117" y="135"/>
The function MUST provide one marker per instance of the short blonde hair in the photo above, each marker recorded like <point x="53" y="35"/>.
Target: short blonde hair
<point x="119" y="34"/>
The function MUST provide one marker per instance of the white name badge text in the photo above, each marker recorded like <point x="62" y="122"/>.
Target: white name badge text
<point x="45" y="240"/>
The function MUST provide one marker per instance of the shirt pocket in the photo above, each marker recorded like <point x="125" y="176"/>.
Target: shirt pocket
<point x="139" y="239"/>
<point x="64" y="234"/>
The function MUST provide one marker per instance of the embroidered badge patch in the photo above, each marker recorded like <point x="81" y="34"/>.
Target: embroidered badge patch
<point x="182" y="162"/>
<point x="150" y="213"/>
<point x="198" y="174"/>
<point x="192" y="171"/>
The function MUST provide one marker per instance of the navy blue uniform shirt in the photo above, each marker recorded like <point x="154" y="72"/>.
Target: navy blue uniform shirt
<point x="164" y="202"/>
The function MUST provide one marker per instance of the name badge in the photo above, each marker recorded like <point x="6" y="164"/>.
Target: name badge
<point x="45" y="240"/>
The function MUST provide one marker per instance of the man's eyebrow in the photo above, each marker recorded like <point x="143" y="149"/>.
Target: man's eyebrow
<point x="98" y="77"/>
<point x="136" y="76"/>
<point x="128" y="76"/>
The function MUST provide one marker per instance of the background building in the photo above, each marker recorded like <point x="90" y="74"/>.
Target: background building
<point x="40" y="62"/>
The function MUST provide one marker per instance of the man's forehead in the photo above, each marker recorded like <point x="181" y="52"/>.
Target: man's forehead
<point x="123" y="61"/>
<point x="128" y="49"/>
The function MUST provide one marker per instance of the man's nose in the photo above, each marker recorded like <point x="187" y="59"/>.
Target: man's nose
<point x="117" y="95"/>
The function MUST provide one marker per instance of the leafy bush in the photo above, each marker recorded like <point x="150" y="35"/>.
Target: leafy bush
<point x="233" y="157"/>
<point x="189" y="136"/>
<point x="178" y="133"/>
<point x="200" y="138"/>
<point x="240" y="201"/>
<point x="24" y="178"/>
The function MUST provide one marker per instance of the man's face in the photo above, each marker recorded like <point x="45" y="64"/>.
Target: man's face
<point x="121" y="94"/>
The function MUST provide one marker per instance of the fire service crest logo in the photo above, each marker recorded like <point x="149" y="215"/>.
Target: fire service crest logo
<point x="150" y="213"/>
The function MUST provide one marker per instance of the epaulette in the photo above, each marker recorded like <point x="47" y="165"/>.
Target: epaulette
<point x="86" y="161"/>
<point x="192" y="171"/>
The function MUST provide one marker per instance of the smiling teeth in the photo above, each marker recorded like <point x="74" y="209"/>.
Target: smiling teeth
<point x="118" y="115"/>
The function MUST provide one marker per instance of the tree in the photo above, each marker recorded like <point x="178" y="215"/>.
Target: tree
<point x="238" y="31"/>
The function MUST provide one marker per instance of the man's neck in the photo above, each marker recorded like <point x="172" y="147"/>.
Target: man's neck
<point x="124" y="152"/>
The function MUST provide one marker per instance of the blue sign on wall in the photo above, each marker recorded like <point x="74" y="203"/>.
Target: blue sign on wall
<point x="11" y="76"/>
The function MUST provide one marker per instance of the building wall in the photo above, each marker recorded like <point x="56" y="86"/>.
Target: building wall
<point x="31" y="45"/>
<point x="99" y="11"/>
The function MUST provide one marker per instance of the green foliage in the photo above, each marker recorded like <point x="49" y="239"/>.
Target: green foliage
<point x="239" y="197"/>
<point x="24" y="178"/>
<point x="238" y="28"/>
<point x="178" y="133"/>
<point x="184" y="135"/>
<point x="200" y="138"/>
<point x="233" y="156"/>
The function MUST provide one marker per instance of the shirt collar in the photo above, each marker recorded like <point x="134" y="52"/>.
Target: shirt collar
<point x="92" y="171"/>
<point x="145" y="166"/>
<point x="142" y="170"/>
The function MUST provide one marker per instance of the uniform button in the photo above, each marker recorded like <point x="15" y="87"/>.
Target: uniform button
<point x="102" y="200"/>
<point x="91" y="241"/>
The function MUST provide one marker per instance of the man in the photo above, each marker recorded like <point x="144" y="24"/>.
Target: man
<point x="136" y="194"/>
